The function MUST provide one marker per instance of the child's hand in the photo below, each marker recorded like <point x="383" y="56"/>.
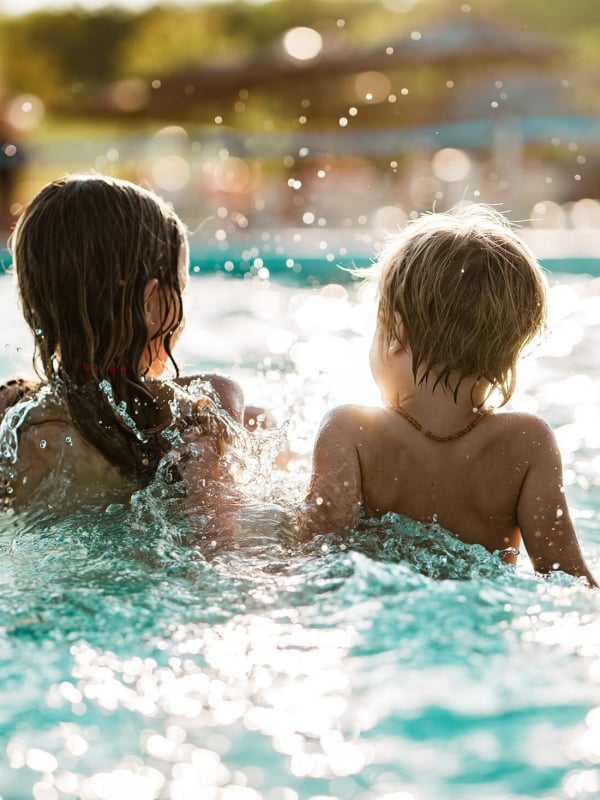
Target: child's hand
<point x="257" y="417"/>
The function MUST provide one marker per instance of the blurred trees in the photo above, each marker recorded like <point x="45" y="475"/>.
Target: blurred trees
<point x="167" y="38"/>
<point x="60" y="55"/>
<point x="204" y="97"/>
<point x="47" y="52"/>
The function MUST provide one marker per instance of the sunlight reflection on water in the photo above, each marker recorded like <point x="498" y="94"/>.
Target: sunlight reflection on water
<point x="258" y="674"/>
<point x="302" y="350"/>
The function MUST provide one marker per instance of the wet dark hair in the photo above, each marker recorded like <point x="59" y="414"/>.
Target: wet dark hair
<point x="84" y="250"/>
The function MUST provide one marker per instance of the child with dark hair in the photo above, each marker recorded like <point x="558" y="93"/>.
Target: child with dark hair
<point x="101" y="266"/>
<point x="460" y="297"/>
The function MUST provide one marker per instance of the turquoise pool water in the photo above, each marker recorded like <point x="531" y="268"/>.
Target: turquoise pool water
<point x="141" y="660"/>
<point x="318" y="257"/>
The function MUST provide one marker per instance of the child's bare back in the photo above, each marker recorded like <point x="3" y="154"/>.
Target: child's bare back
<point x="47" y="460"/>
<point x="500" y="482"/>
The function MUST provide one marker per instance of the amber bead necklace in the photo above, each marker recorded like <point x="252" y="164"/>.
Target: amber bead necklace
<point x="480" y="414"/>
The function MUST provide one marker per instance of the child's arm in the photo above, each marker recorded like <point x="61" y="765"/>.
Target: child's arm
<point x="230" y="394"/>
<point x="231" y="399"/>
<point x="542" y="512"/>
<point x="333" y="502"/>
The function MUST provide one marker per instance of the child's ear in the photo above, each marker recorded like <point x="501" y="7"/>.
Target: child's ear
<point x="400" y="340"/>
<point x="395" y="346"/>
<point x="151" y="302"/>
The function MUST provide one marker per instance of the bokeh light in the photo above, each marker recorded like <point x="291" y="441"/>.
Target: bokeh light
<point x="130" y="94"/>
<point x="585" y="213"/>
<point x="171" y="173"/>
<point x="25" y="112"/>
<point x="451" y="164"/>
<point x="548" y="214"/>
<point x="302" y="43"/>
<point x="372" y="87"/>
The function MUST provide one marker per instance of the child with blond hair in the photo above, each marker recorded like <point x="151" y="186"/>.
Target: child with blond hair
<point x="460" y="297"/>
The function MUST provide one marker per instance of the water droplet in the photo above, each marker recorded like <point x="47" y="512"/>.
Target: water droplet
<point x="43" y="444"/>
<point x="69" y="441"/>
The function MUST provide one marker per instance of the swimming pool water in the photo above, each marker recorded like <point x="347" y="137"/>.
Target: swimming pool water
<point x="139" y="659"/>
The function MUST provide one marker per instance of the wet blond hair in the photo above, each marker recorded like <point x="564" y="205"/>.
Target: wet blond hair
<point x="469" y="294"/>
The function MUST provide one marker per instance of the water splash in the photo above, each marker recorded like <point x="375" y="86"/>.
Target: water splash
<point x="13" y="420"/>
<point x="120" y="411"/>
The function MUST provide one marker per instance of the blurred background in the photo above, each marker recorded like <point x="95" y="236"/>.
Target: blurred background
<point x="257" y="118"/>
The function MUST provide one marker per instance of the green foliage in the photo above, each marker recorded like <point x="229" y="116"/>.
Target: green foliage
<point x="47" y="52"/>
<point x="25" y="68"/>
<point x="51" y="52"/>
<point x="167" y="38"/>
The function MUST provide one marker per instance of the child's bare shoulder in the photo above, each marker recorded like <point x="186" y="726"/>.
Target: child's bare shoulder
<point x="350" y="414"/>
<point x="13" y="391"/>
<point x="55" y="461"/>
<point x="51" y="459"/>
<point x="522" y="421"/>
<point x="349" y="421"/>
<point x="525" y="431"/>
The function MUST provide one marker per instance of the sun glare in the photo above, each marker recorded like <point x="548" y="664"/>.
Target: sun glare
<point x="303" y="44"/>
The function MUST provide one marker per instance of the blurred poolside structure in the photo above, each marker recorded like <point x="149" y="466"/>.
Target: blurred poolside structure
<point x="351" y="139"/>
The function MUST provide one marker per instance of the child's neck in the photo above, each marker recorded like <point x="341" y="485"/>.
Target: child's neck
<point x="435" y="406"/>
